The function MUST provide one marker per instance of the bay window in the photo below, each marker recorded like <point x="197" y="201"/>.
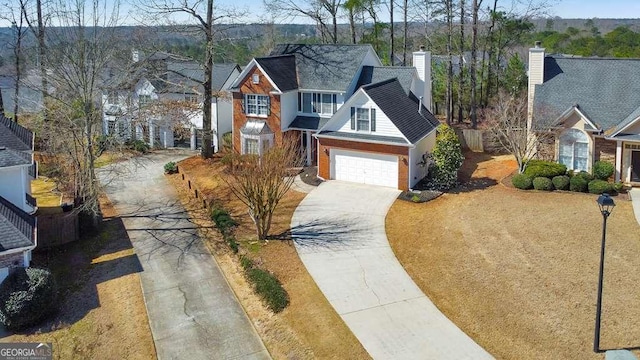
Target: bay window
<point x="574" y="150"/>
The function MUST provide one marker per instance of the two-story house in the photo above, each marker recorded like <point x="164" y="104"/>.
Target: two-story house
<point x="17" y="222"/>
<point x="336" y="100"/>
<point x="162" y="95"/>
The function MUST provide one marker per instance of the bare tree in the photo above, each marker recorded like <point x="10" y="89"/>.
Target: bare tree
<point x="449" y="96"/>
<point x="391" y="34"/>
<point x="38" y="30"/>
<point x="475" y="8"/>
<point x="461" y="74"/>
<point x="405" y="33"/>
<point x="16" y="17"/>
<point x="323" y="12"/>
<point x="261" y="182"/>
<point x="507" y="124"/>
<point x="352" y="7"/>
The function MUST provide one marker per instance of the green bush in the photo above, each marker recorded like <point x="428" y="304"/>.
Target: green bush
<point x="139" y="146"/>
<point x="446" y="159"/>
<point x="522" y="181"/>
<point x="561" y="182"/>
<point x="542" y="183"/>
<point x="541" y="168"/>
<point x="585" y="175"/>
<point x="578" y="184"/>
<point x="170" y="168"/>
<point x="618" y="186"/>
<point x="246" y="263"/>
<point x="269" y="289"/>
<point x="599" y="187"/>
<point x="222" y="218"/>
<point x="27" y="296"/>
<point x="603" y="170"/>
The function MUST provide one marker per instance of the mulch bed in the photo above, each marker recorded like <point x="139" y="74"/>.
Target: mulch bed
<point x="309" y="176"/>
<point x="417" y="196"/>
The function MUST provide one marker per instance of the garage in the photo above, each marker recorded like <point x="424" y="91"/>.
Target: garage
<point x="364" y="167"/>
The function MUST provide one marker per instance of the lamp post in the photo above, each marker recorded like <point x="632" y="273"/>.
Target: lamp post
<point x="606" y="205"/>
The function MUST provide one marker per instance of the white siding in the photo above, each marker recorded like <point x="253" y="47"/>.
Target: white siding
<point x="288" y="108"/>
<point x="416" y="170"/>
<point x="384" y="126"/>
<point x="14" y="184"/>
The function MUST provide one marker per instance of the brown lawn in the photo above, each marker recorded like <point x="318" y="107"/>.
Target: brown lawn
<point x="102" y="313"/>
<point x="309" y="327"/>
<point x="518" y="270"/>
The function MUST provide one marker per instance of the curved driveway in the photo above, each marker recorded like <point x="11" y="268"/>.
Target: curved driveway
<point x="339" y="232"/>
<point x="192" y="311"/>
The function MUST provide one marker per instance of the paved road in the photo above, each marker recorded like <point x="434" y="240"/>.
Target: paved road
<point x="339" y="232"/>
<point x="193" y="312"/>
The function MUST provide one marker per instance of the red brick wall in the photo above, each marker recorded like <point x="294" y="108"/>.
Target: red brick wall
<point x="324" y="165"/>
<point x="239" y="118"/>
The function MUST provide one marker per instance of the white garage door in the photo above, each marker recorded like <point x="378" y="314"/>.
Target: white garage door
<point x="365" y="168"/>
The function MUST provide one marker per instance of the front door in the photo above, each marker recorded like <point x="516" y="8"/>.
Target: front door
<point x="635" y="166"/>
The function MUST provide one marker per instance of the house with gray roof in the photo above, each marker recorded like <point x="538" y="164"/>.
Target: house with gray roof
<point x="355" y="119"/>
<point x="134" y="102"/>
<point x="17" y="206"/>
<point x="592" y="105"/>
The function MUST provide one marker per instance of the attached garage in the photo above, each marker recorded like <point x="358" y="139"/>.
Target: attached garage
<point x="364" y="167"/>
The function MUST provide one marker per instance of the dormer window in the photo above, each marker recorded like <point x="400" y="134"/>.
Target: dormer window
<point x="363" y="119"/>
<point x="255" y="78"/>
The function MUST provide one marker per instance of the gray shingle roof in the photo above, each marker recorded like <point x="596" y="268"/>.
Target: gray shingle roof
<point x="221" y="73"/>
<point x="362" y="136"/>
<point x="16" y="226"/>
<point x="607" y="91"/>
<point x="308" y="122"/>
<point x="10" y="157"/>
<point x="15" y="136"/>
<point x="401" y="109"/>
<point x="374" y="74"/>
<point x="280" y="69"/>
<point x="325" y="66"/>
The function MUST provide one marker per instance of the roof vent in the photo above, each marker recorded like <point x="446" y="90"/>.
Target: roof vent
<point x="3" y="148"/>
<point x="538" y="44"/>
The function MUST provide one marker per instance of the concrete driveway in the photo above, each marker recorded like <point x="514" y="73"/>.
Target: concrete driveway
<point x="192" y="311"/>
<point x="339" y="232"/>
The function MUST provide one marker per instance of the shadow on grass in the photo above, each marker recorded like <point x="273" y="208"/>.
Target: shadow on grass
<point x="323" y="234"/>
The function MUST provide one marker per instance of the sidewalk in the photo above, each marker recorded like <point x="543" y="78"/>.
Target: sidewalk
<point x="634" y="194"/>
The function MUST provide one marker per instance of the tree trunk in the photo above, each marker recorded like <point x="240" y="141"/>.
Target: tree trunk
<point x="41" y="57"/>
<point x="391" y="52"/>
<point x="207" y="150"/>
<point x="18" y="55"/>
<point x="461" y="64"/>
<point x="405" y="12"/>
<point x="449" y="96"/>
<point x="335" y="28"/>
<point x="474" y="61"/>
<point x="491" y="53"/>
<point x="352" y="25"/>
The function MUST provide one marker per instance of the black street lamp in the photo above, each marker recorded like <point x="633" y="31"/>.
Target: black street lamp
<point x="606" y="205"/>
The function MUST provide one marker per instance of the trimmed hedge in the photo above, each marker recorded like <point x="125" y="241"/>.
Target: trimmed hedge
<point x="541" y="168"/>
<point x="603" y="170"/>
<point x="27" y="296"/>
<point x="618" y="186"/>
<point x="225" y="223"/>
<point x="266" y="285"/>
<point x="522" y="181"/>
<point x="561" y="182"/>
<point x="578" y="184"/>
<point x="600" y="186"/>
<point x="542" y="183"/>
<point x="585" y="175"/>
<point x="170" y="168"/>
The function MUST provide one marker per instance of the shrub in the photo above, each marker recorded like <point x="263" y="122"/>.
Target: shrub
<point x="578" y="184"/>
<point x="603" y="170"/>
<point x="139" y="146"/>
<point x="227" y="142"/>
<point x="542" y="183"/>
<point x="269" y="289"/>
<point x="599" y="187"/>
<point x="26" y="297"/>
<point x="541" y="168"/>
<point x="170" y="168"/>
<point x="446" y="159"/>
<point x="246" y="263"/>
<point x="618" y="186"/>
<point x="224" y="221"/>
<point x="522" y="181"/>
<point x="561" y="182"/>
<point x="585" y="175"/>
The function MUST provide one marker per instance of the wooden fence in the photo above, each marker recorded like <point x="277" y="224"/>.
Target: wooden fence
<point x="472" y="139"/>
<point x="57" y="229"/>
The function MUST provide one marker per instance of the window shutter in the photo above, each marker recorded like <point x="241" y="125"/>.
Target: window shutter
<point x="268" y="105"/>
<point x="373" y="119"/>
<point x="315" y="103"/>
<point x="353" y="118"/>
<point x="335" y="103"/>
<point x="299" y="102"/>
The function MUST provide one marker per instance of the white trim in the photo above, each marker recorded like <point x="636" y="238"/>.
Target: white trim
<point x="618" y="160"/>
<point x="17" y="250"/>
<point x="565" y="115"/>
<point x="363" y="140"/>
<point x="253" y="63"/>
<point x="626" y="127"/>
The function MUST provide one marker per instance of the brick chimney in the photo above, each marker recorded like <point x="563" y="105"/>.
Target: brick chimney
<point x="536" y="77"/>
<point x="422" y="62"/>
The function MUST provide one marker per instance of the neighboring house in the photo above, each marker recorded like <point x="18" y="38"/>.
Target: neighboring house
<point x="592" y="105"/>
<point x="129" y="101"/>
<point x="17" y="223"/>
<point x="303" y="90"/>
<point x="29" y="97"/>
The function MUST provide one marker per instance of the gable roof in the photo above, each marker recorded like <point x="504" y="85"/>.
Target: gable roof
<point x="10" y="157"/>
<point x="374" y="74"/>
<point x="15" y="136"/>
<point x="281" y="70"/>
<point x="221" y="73"/>
<point x="330" y="67"/>
<point x="16" y="226"/>
<point x="402" y="109"/>
<point x="607" y="91"/>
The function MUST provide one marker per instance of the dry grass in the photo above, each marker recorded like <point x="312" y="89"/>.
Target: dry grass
<point x="309" y="327"/>
<point x="102" y="313"/>
<point x="48" y="197"/>
<point x="517" y="270"/>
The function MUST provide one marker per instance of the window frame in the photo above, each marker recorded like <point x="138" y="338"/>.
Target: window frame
<point x="568" y="142"/>
<point x="313" y="103"/>
<point x="253" y="105"/>
<point x="356" y="120"/>
<point x="264" y="143"/>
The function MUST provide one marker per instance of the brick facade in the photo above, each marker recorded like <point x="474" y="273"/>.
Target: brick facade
<point x="604" y="150"/>
<point x="10" y="260"/>
<point x="263" y="87"/>
<point x="324" y="159"/>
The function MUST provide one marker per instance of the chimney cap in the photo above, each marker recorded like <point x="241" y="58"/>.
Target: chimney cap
<point x="538" y="44"/>
<point x="422" y="48"/>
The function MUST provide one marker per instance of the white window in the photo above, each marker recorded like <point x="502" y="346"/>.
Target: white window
<point x="363" y="119"/>
<point x="574" y="150"/>
<point x="256" y="144"/>
<point x="255" y="78"/>
<point x="251" y="146"/>
<point x="317" y="103"/>
<point x="144" y="100"/>
<point x="256" y="105"/>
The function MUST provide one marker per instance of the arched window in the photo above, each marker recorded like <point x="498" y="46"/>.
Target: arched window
<point x="574" y="150"/>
